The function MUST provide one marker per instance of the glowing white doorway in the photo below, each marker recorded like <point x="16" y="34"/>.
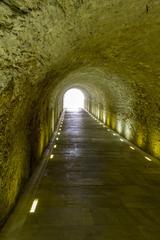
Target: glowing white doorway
<point x="73" y="99"/>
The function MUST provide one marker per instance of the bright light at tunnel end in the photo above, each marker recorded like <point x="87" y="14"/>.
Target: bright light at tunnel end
<point x="73" y="99"/>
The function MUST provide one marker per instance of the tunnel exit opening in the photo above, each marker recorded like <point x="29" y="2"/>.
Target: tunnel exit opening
<point x="73" y="99"/>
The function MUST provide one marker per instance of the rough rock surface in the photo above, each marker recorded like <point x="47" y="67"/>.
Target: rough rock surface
<point x="109" y="49"/>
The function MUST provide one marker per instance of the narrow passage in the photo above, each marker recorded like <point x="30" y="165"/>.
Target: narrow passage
<point x="96" y="186"/>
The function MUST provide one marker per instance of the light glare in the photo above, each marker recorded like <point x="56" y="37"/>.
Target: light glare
<point x="73" y="99"/>
<point x="149" y="159"/>
<point x="132" y="148"/>
<point x="34" y="206"/>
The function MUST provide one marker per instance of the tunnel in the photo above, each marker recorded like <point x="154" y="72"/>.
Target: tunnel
<point x="109" y="50"/>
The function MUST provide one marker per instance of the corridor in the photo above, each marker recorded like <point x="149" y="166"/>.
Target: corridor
<point x="96" y="186"/>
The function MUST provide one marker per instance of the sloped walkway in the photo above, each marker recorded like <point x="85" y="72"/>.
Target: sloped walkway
<point x="94" y="188"/>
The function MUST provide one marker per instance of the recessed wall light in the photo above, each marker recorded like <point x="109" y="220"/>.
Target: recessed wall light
<point x="149" y="159"/>
<point x="132" y="148"/>
<point x="34" y="206"/>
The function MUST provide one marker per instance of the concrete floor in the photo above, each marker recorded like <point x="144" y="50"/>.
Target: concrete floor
<point x="95" y="188"/>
